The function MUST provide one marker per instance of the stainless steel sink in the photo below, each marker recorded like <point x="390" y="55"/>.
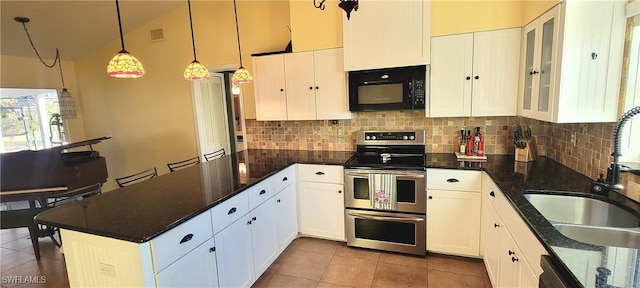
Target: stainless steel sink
<point x="589" y="220"/>
<point x="606" y="236"/>
<point x="581" y="210"/>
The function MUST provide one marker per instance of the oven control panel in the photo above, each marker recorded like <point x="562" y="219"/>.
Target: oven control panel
<point x="409" y="136"/>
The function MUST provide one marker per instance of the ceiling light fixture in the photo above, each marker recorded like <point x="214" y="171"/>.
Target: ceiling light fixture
<point x="124" y="65"/>
<point x="242" y="75"/>
<point x="195" y="71"/>
<point x="65" y="101"/>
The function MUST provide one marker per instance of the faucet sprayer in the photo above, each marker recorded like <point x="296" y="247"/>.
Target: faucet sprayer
<point x="613" y="173"/>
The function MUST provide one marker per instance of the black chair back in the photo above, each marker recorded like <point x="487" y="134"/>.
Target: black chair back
<point x="214" y="155"/>
<point x="183" y="164"/>
<point x="138" y="177"/>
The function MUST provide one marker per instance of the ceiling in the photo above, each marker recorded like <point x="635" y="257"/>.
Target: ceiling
<point x="74" y="27"/>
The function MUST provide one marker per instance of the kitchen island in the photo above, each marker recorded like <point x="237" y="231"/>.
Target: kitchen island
<point x="141" y="213"/>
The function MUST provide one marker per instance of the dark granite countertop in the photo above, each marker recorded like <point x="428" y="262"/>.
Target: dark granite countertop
<point x="142" y="211"/>
<point x="578" y="260"/>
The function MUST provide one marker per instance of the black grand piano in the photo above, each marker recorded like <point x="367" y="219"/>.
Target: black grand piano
<point x="43" y="177"/>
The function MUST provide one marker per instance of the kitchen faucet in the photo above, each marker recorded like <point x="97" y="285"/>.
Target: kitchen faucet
<point x="613" y="172"/>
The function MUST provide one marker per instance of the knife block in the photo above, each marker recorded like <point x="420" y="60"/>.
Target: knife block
<point x="529" y="153"/>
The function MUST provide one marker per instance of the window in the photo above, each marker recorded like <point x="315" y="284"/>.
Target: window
<point x="30" y="119"/>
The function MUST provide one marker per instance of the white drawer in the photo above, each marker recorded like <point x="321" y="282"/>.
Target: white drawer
<point x="181" y="239"/>
<point x="284" y="178"/>
<point x="321" y="173"/>
<point x="229" y="211"/>
<point x="455" y="180"/>
<point x="260" y="192"/>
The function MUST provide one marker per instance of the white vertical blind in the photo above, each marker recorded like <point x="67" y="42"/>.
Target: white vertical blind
<point x="212" y="119"/>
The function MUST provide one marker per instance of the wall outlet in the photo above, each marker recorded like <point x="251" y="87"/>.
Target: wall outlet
<point x="574" y="140"/>
<point x="107" y="270"/>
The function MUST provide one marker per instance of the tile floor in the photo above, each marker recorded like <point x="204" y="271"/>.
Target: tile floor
<point x="307" y="262"/>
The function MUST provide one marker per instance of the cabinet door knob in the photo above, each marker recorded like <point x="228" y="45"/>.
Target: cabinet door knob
<point x="310" y="88"/>
<point x="453" y="180"/>
<point x="285" y="179"/>
<point x="511" y="252"/>
<point x="262" y="192"/>
<point x="495" y="225"/>
<point x="281" y="90"/>
<point x="278" y="201"/>
<point x="594" y="55"/>
<point x="430" y="197"/>
<point x="254" y="219"/>
<point x="231" y="211"/>
<point x="186" y="238"/>
<point x="339" y="191"/>
<point x="477" y="77"/>
<point x="514" y="259"/>
<point x="249" y="222"/>
<point x="317" y="87"/>
<point x="212" y="249"/>
<point x="320" y="173"/>
<point x="534" y="72"/>
<point x="492" y="194"/>
<point x="468" y="78"/>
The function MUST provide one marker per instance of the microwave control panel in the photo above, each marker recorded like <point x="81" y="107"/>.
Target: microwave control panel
<point x="418" y="93"/>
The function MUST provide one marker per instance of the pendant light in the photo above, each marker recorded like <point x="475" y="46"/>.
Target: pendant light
<point x="242" y="75"/>
<point x="65" y="101"/>
<point x="195" y="70"/>
<point x="124" y="65"/>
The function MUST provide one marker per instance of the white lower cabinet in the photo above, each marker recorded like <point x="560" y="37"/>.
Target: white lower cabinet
<point x="234" y="255"/>
<point x="264" y="236"/>
<point x="195" y="269"/>
<point x="322" y="210"/>
<point x="453" y="225"/>
<point x="286" y="216"/>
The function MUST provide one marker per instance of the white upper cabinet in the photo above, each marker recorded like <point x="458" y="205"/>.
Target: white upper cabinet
<point x="269" y="85"/>
<point x="384" y="34"/>
<point x="572" y="63"/>
<point x="301" y="86"/>
<point x="475" y="74"/>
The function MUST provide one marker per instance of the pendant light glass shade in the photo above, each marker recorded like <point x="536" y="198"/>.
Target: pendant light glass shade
<point x="241" y="76"/>
<point x="67" y="105"/>
<point x="124" y="65"/>
<point x="196" y="71"/>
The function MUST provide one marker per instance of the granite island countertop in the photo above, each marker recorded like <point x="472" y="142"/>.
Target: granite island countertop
<point x="161" y="203"/>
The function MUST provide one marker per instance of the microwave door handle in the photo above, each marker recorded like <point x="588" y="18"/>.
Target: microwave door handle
<point x="390" y="218"/>
<point x="376" y="82"/>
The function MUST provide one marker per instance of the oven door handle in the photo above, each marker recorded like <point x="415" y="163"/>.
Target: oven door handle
<point x="391" y="218"/>
<point x="397" y="173"/>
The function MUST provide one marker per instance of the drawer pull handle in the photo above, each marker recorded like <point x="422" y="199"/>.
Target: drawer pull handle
<point x="495" y="225"/>
<point x="339" y="191"/>
<point x="278" y="200"/>
<point x="492" y="194"/>
<point x="430" y="197"/>
<point x="285" y="179"/>
<point x="514" y="259"/>
<point x="254" y="219"/>
<point x="511" y="252"/>
<point x="186" y="238"/>
<point x="231" y="211"/>
<point x="249" y="222"/>
<point x="453" y="180"/>
<point x="263" y="191"/>
<point x="320" y="173"/>
<point x="212" y="249"/>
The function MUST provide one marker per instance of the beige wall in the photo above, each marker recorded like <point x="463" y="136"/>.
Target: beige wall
<point x="28" y="72"/>
<point x="151" y="118"/>
<point x="312" y="28"/>
<point x="454" y="16"/>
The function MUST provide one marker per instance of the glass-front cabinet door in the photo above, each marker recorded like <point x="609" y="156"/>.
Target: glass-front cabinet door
<point x="539" y="42"/>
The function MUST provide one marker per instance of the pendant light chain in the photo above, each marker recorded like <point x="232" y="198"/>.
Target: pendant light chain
<point x="57" y="59"/>
<point x="193" y="41"/>
<point x="120" y="25"/>
<point x="235" y="11"/>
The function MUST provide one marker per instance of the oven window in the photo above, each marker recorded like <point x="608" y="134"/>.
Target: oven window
<point x="381" y="94"/>
<point x="393" y="232"/>
<point x="361" y="188"/>
<point x="406" y="191"/>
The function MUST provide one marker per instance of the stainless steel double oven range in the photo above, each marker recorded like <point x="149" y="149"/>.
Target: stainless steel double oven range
<point x="396" y="153"/>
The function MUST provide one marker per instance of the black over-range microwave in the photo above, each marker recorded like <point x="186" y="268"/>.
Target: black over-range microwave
<point x="399" y="88"/>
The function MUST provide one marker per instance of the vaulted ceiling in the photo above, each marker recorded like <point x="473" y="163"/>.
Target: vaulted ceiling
<point x="74" y="27"/>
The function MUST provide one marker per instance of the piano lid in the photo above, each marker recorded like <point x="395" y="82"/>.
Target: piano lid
<point x="82" y="143"/>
